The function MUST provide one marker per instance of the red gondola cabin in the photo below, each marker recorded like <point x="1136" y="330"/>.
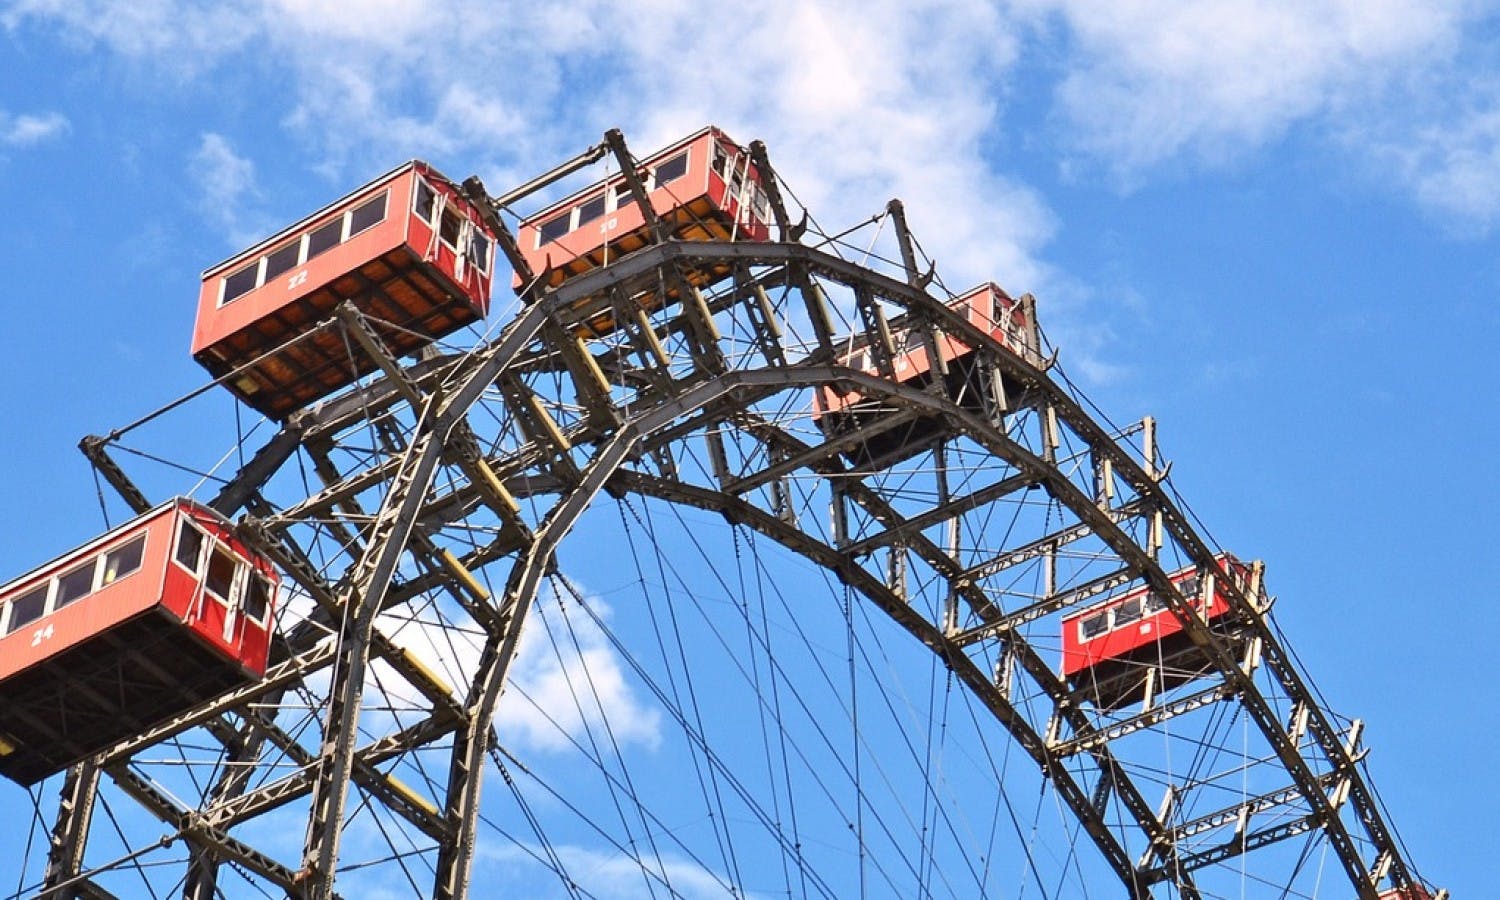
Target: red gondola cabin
<point x="407" y="249"/>
<point x="1108" y="648"/>
<point x="704" y="188"/>
<point x="1011" y="322"/>
<point x="166" y="611"/>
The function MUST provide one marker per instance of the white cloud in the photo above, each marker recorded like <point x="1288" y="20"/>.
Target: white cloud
<point x="565" y="680"/>
<point x="1150" y="80"/>
<point x="859" y="102"/>
<point x="1449" y="162"/>
<point x="180" y="37"/>
<point x="566" y="677"/>
<point x="26" y="130"/>
<point x="604" y="873"/>
<point x="227" y="189"/>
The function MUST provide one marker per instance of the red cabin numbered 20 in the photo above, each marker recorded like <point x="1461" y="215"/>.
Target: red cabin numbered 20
<point x="158" y="615"/>
<point x="838" y="412"/>
<point x="1125" y="649"/>
<point x="407" y="249"/>
<point x="703" y="188"/>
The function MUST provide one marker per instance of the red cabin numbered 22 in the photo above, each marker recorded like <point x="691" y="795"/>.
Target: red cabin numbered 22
<point x="158" y="615"/>
<point x="407" y="249"/>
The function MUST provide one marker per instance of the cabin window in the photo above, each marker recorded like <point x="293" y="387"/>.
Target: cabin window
<point x="623" y="197"/>
<point x="760" y="205"/>
<point x="1155" y="603"/>
<point x="423" y="205"/>
<point x="1091" y="627"/>
<point x="672" y="169"/>
<point x="257" y="599"/>
<point x="1128" y="611"/>
<point x="367" y="215"/>
<point x="450" y="228"/>
<point x="999" y="311"/>
<point x="189" y="546"/>
<point x="241" y="282"/>
<point x="287" y="257"/>
<point x="553" y="228"/>
<point x="28" y="607"/>
<point x="122" y="561"/>
<point x="220" y="577"/>
<point x="1191" y="587"/>
<point x="589" y="210"/>
<point x="74" y="585"/>
<point x="479" y="250"/>
<point x="283" y="260"/>
<point x="325" y="237"/>
<point x="721" y="160"/>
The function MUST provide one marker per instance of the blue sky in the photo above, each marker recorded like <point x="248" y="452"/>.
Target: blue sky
<point x="1271" y="226"/>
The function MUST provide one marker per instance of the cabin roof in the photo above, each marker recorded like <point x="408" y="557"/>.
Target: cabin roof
<point x="95" y="543"/>
<point x="595" y="185"/>
<point x="301" y="224"/>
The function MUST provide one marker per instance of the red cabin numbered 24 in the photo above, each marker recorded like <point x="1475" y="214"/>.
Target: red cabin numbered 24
<point x="158" y="615"/>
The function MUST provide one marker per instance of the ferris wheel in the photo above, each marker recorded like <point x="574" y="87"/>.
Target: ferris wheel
<point x="739" y="558"/>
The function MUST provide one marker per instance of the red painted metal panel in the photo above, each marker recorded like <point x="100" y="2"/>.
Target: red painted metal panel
<point x="1080" y="654"/>
<point x="55" y="632"/>
<point x="217" y="321"/>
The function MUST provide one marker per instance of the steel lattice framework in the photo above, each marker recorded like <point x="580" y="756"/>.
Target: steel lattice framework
<point x="451" y="482"/>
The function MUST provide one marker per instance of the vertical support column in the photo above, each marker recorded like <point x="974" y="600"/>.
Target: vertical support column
<point x="768" y="183"/>
<point x="882" y="345"/>
<point x="817" y="312"/>
<point x="914" y="277"/>
<point x="1148" y="446"/>
<point x="361" y="600"/>
<point x="70" y="831"/>
<point x="950" y="537"/>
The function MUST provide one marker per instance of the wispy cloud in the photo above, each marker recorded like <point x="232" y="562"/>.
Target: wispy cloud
<point x="1146" y="81"/>
<point x="567" y="679"/>
<point x="179" y="37"/>
<point x="1448" y="158"/>
<point x="1390" y="87"/>
<point x="605" y="873"/>
<point x="26" y="130"/>
<point x="227" y="189"/>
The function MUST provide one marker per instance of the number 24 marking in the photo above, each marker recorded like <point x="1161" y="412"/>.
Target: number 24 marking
<point x="41" y="634"/>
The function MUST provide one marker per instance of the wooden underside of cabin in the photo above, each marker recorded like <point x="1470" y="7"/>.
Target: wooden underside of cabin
<point x="879" y="433"/>
<point x="289" y="362"/>
<point x="698" y="220"/>
<point x="1173" y="661"/>
<point x="104" y="689"/>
